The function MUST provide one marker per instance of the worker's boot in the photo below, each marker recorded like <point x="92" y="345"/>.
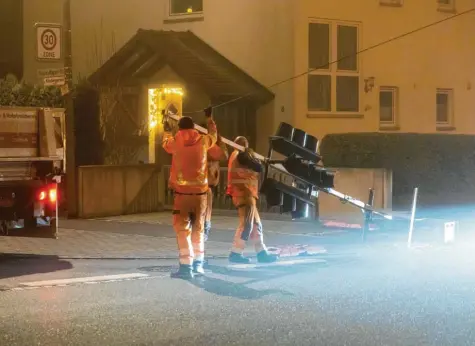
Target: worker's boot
<point x="198" y="268"/>
<point x="265" y="257"/>
<point x="238" y="258"/>
<point x="185" y="272"/>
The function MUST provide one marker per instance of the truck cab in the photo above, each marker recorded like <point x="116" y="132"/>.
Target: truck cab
<point x="31" y="166"/>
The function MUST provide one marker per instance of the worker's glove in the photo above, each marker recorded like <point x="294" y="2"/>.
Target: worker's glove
<point x="250" y="151"/>
<point x="208" y="112"/>
<point x="167" y="127"/>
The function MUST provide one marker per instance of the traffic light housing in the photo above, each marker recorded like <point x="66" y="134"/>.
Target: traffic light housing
<point x="301" y="164"/>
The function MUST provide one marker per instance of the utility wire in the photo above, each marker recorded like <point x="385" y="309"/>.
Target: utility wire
<point x="345" y="57"/>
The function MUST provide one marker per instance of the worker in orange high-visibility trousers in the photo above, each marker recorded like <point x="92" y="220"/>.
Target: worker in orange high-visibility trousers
<point x="189" y="182"/>
<point x="216" y="154"/>
<point x="243" y="187"/>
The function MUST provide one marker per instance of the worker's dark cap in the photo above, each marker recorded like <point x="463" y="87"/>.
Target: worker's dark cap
<point x="186" y="123"/>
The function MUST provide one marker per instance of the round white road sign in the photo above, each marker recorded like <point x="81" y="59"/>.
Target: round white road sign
<point x="48" y="41"/>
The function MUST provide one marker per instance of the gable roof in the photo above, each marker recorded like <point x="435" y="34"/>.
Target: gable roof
<point x="196" y="62"/>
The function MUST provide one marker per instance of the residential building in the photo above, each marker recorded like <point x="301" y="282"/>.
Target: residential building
<point x="11" y="38"/>
<point x="420" y="82"/>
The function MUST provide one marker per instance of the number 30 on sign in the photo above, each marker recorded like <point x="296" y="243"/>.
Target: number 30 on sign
<point x="48" y="42"/>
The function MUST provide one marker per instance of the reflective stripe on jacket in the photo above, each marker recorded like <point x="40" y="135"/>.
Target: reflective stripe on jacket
<point x="242" y="182"/>
<point x="189" y="171"/>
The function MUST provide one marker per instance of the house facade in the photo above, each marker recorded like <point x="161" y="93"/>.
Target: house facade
<point x="421" y="82"/>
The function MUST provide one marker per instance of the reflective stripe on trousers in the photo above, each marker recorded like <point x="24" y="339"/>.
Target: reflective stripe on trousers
<point x="209" y="210"/>
<point x="250" y="226"/>
<point x="188" y="222"/>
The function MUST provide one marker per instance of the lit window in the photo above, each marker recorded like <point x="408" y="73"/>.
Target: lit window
<point x="178" y="7"/>
<point x="387" y="105"/>
<point x="444" y="108"/>
<point x="333" y="88"/>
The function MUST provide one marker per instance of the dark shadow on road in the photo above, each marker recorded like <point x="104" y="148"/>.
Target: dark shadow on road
<point x="230" y="289"/>
<point x="241" y="290"/>
<point x="14" y="265"/>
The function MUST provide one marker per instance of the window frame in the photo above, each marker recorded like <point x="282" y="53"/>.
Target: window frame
<point x="391" y="3"/>
<point x="450" y="107"/>
<point x="185" y="14"/>
<point x="395" y="106"/>
<point x="450" y="7"/>
<point x="332" y="70"/>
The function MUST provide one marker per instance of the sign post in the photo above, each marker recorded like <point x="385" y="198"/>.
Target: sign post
<point x="66" y="90"/>
<point x="48" y="42"/>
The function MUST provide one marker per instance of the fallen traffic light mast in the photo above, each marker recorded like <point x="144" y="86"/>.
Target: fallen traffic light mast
<point x="303" y="165"/>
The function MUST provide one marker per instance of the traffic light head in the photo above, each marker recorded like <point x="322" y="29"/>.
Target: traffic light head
<point x="289" y="140"/>
<point x="301" y="161"/>
<point x="291" y="199"/>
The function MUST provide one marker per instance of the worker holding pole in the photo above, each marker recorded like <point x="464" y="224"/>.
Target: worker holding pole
<point x="189" y="182"/>
<point x="243" y="187"/>
<point x="216" y="154"/>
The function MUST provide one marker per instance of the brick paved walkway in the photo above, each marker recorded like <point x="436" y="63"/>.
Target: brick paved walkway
<point x="220" y="222"/>
<point x="93" y="244"/>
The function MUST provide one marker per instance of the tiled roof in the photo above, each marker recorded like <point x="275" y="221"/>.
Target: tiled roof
<point x="196" y="62"/>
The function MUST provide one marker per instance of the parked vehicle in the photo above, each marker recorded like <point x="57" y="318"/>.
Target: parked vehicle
<point x="31" y="160"/>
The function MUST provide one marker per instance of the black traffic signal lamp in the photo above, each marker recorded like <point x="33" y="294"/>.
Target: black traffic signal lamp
<point x="301" y="162"/>
<point x="291" y="199"/>
<point x="290" y="141"/>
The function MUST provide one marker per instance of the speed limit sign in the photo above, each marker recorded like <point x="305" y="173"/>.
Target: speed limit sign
<point x="48" y="42"/>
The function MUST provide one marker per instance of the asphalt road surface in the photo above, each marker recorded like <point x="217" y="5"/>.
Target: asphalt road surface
<point x="374" y="296"/>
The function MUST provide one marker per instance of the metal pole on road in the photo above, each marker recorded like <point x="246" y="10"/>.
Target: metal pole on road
<point x="71" y="168"/>
<point x="368" y="215"/>
<point x="413" y="216"/>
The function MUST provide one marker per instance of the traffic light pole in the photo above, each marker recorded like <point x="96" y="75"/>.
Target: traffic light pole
<point x="366" y="207"/>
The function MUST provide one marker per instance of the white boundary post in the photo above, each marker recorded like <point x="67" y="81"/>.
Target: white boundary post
<point x="413" y="215"/>
<point x="57" y="208"/>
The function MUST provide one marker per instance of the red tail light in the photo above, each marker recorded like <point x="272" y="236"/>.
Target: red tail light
<point x="42" y="195"/>
<point x="52" y="195"/>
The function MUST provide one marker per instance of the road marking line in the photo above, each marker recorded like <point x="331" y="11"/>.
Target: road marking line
<point x="84" y="279"/>
<point x="280" y="263"/>
<point x="25" y="288"/>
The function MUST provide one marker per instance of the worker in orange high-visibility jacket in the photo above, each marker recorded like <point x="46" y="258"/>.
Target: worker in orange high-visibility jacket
<point x="189" y="182"/>
<point x="243" y="187"/>
<point x="216" y="154"/>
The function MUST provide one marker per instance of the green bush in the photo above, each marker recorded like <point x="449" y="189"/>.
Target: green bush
<point x="89" y="145"/>
<point x="19" y="94"/>
<point x="441" y="165"/>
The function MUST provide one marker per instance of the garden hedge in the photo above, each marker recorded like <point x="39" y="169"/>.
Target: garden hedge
<point x="441" y="165"/>
<point x="89" y="146"/>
